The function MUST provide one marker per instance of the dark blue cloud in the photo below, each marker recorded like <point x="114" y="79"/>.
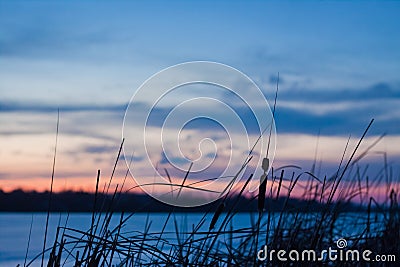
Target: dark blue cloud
<point x="273" y="79"/>
<point x="371" y="102"/>
<point x="167" y="161"/>
<point x="290" y="121"/>
<point x="374" y="92"/>
<point x="376" y="101"/>
<point x="99" y="149"/>
<point x="13" y="106"/>
<point x="129" y="158"/>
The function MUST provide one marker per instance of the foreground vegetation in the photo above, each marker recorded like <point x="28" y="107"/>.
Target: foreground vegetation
<point x="213" y="241"/>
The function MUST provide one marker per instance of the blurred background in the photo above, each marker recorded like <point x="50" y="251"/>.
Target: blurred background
<point x="339" y="66"/>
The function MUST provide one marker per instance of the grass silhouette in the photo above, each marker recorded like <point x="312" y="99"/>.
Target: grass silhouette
<point x="220" y="244"/>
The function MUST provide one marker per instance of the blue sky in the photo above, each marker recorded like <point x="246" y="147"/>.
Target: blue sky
<point x="339" y="65"/>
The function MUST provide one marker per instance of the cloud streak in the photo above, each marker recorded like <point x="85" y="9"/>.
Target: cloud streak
<point x="338" y="112"/>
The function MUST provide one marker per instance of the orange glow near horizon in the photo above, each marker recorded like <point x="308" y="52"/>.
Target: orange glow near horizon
<point x="78" y="158"/>
<point x="84" y="184"/>
<point x="88" y="184"/>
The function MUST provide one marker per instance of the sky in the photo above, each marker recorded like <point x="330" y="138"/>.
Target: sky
<point x="338" y="65"/>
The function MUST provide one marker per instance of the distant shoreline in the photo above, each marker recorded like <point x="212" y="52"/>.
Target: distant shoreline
<point x="70" y="201"/>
